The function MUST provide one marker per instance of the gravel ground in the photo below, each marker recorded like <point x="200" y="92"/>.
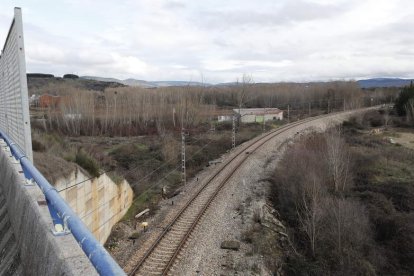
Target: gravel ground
<point x="222" y="221"/>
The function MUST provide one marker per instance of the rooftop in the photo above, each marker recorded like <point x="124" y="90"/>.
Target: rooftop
<point x="258" y="110"/>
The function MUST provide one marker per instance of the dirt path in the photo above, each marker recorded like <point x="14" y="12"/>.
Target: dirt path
<point x="405" y="139"/>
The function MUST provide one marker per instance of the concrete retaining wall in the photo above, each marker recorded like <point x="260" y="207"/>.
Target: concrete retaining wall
<point x="99" y="202"/>
<point x="40" y="251"/>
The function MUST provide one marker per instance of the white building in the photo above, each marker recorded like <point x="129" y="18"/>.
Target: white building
<point x="251" y="115"/>
<point x="224" y="118"/>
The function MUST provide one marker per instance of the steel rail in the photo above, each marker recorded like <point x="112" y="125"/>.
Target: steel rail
<point x="258" y="140"/>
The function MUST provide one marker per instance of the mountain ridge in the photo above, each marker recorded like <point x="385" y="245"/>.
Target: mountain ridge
<point x="384" y="82"/>
<point x="363" y="83"/>
<point x="147" y="84"/>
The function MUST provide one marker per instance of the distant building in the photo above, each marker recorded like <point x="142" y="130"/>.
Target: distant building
<point x="251" y="115"/>
<point x="47" y="100"/>
<point x="34" y="100"/>
<point x="224" y="118"/>
<point x="72" y="116"/>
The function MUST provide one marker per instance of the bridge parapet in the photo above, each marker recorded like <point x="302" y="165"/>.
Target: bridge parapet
<point x="41" y="252"/>
<point x="59" y="210"/>
<point x="50" y="236"/>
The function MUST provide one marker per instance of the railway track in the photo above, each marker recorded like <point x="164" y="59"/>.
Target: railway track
<point x="161" y="256"/>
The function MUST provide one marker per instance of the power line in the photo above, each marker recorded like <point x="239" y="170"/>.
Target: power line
<point x="167" y="162"/>
<point x="106" y="171"/>
<point x="83" y="181"/>
<point x="140" y="180"/>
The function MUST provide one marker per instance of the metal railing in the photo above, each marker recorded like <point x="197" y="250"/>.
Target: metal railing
<point x="62" y="214"/>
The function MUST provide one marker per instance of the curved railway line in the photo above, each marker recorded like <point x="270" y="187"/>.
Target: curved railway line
<point x="161" y="256"/>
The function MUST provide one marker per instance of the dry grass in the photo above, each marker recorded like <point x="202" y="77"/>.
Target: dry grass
<point x="52" y="167"/>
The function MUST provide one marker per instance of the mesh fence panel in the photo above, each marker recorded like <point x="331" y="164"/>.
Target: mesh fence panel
<point x="14" y="105"/>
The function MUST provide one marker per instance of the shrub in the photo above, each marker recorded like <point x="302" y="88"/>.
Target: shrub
<point x="37" y="146"/>
<point x="331" y="230"/>
<point x="404" y="97"/>
<point x="70" y="76"/>
<point x="84" y="160"/>
<point x="39" y="75"/>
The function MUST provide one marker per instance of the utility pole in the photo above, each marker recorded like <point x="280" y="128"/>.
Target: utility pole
<point x="183" y="174"/>
<point x="173" y="116"/>
<point x="309" y="109"/>
<point x="233" y="136"/>
<point x="264" y="120"/>
<point x="115" y="111"/>
<point x="344" y="104"/>
<point x="288" y="114"/>
<point x="212" y="124"/>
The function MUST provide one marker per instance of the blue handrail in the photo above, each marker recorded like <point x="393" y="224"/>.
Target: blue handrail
<point x="60" y="211"/>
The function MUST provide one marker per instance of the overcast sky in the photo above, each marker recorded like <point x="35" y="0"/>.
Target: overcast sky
<point x="216" y="40"/>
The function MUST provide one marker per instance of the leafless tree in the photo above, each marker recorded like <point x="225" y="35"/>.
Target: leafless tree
<point x="310" y="211"/>
<point x="347" y="228"/>
<point x="338" y="156"/>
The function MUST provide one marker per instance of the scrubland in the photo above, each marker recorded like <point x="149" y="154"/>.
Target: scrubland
<point x="347" y="197"/>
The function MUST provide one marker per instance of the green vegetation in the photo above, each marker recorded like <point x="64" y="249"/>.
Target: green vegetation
<point x="38" y="146"/>
<point x="146" y="199"/>
<point x="115" y="177"/>
<point x="402" y="102"/>
<point x="384" y="184"/>
<point x="152" y="164"/>
<point x="87" y="162"/>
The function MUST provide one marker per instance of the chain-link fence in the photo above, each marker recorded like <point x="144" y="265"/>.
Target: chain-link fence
<point x="14" y="105"/>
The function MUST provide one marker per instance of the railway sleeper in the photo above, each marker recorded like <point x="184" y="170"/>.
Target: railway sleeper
<point x="176" y="235"/>
<point x="187" y="220"/>
<point x="168" y="242"/>
<point x="179" y="230"/>
<point x="147" y="273"/>
<point x="158" y="261"/>
<point x="180" y="227"/>
<point x="171" y="237"/>
<point x="151" y="270"/>
<point x="166" y="251"/>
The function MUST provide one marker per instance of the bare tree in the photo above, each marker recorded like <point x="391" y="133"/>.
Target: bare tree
<point x="310" y="211"/>
<point x="242" y="89"/>
<point x="338" y="159"/>
<point x="347" y="229"/>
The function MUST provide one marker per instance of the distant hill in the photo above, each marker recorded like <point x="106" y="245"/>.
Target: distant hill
<point x="100" y="83"/>
<point x="384" y="82"/>
<point x="147" y="84"/>
<point x="44" y="83"/>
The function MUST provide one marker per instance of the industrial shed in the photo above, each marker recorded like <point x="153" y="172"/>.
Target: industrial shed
<point x="251" y="115"/>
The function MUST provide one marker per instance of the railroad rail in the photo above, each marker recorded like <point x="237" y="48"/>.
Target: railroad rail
<point x="161" y="256"/>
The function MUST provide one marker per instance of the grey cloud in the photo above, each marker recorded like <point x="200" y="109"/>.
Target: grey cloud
<point x="174" y="5"/>
<point x="224" y="39"/>
<point x="288" y="13"/>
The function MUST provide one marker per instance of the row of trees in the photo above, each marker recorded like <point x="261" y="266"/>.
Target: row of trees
<point x="125" y="111"/>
